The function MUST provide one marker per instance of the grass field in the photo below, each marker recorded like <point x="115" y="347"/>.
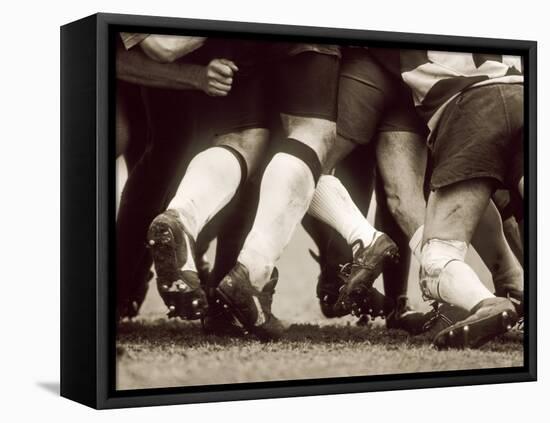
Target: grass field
<point x="155" y="352"/>
<point x="166" y="354"/>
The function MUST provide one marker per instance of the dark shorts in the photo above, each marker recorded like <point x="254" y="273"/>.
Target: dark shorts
<point x="371" y="100"/>
<point x="306" y="85"/>
<point x="480" y="135"/>
<point x="279" y="78"/>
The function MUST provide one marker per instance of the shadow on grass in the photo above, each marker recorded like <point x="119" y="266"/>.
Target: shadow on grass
<point x="170" y="332"/>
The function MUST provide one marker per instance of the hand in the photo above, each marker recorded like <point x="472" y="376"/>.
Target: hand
<point x="219" y="77"/>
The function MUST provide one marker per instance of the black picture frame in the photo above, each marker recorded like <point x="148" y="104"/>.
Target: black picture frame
<point x="87" y="213"/>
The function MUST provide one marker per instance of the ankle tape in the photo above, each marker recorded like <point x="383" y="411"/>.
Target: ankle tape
<point x="436" y="256"/>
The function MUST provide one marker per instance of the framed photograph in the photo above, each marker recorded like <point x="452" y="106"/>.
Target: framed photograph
<point x="259" y="211"/>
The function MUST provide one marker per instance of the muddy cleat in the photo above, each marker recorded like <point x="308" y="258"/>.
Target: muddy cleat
<point x="180" y="289"/>
<point x="368" y="263"/>
<point x="329" y="283"/>
<point x="250" y="306"/>
<point x="374" y="304"/>
<point x="488" y="319"/>
<point x="441" y="317"/>
<point x="405" y="318"/>
<point x="220" y="322"/>
<point x="515" y="296"/>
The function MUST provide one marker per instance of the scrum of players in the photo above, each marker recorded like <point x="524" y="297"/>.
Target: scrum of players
<point x="241" y="141"/>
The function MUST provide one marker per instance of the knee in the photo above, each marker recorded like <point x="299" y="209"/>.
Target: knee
<point x="395" y="201"/>
<point x="251" y="144"/>
<point x="318" y="134"/>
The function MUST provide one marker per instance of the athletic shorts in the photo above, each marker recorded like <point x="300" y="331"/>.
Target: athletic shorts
<point x="371" y="100"/>
<point x="480" y="135"/>
<point x="274" y="78"/>
<point x="306" y="85"/>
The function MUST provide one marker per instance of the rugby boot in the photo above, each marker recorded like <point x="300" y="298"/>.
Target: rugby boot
<point x="329" y="283"/>
<point x="440" y="317"/>
<point x="218" y="320"/>
<point x="180" y="289"/>
<point x="403" y="317"/>
<point x="249" y="305"/>
<point x="360" y="274"/>
<point x="515" y="296"/>
<point x="488" y="319"/>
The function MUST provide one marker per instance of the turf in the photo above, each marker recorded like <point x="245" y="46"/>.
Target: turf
<point x="161" y="353"/>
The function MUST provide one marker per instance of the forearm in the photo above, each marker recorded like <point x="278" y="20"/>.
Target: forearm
<point x="169" y="48"/>
<point x="133" y="66"/>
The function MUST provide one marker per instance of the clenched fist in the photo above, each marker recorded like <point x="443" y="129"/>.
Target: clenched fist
<point x="218" y="77"/>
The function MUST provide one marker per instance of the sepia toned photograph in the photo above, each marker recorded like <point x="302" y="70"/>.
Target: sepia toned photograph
<point x="288" y="210"/>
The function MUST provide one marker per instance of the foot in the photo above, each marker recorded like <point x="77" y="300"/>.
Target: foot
<point x="250" y="306"/>
<point x="218" y="321"/>
<point x="515" y="296"/>
<point x="488" y="319"/>
<point x="405" y="318"/>
<point x="368" y="263"/>
<point x="172" y="249"/>
<point x="441" y="317"/>
<point x="329" y="283"/>
<point x="129" y="307"/>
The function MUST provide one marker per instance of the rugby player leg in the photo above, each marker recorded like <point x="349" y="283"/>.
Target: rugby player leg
<point x="150" y="186"/>
<point x="401" y="159"/>
<point x="210" y="182"/>
<point x="452" y="215"/>
<point x="356" y="172"/>
<point x="470" y="160"/>
<point x="308" y="116"/>
<point x="511" y="214"/>
<point x="131" y="142"/>
<point x="491" y="245"/>
<point x="365" y="92"/>
<point x="406" y="151"/>
<point x="397" y="308"/>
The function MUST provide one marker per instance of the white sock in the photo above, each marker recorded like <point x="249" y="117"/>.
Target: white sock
<point x="210" y="182"/>
<point x="333" y="205"/>
<point x="415" y="243"/>
<point x="285" y="193"/>
<point x="447" y="277"/>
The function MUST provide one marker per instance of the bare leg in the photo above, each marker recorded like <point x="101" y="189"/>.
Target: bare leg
<point x="401" y="158"/>
<point x="452" y="216"/>
<point x="406" y="152"/>
<point x="490" y="243"/>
